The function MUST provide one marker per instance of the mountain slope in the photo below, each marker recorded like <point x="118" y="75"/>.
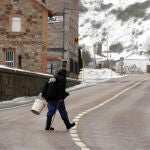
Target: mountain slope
<point x="121" y="25"/>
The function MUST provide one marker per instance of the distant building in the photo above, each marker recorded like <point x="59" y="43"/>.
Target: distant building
<point x="63" y="35"/>
<point x="23" y="34"/>
<point x="135" y="63"/>
<point x="128" y="62"/>
<point x="97" y="48"/>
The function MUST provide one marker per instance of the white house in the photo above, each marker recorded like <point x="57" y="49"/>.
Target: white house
<point x="133" y="63"/>
<point x="97" y="61"/>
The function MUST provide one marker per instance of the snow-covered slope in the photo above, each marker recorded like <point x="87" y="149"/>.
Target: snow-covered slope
<point x="113" y="22"/>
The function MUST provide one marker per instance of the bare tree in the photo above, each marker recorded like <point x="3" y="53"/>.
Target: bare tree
<point x="86" y="57"/>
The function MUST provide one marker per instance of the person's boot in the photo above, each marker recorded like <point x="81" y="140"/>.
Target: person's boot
<point x="48" y="124"/>
<point x="68" y="124"/>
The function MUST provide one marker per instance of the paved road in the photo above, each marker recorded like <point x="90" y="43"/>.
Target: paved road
<point x="22" y="130"/>
<point x="121" y="124"/>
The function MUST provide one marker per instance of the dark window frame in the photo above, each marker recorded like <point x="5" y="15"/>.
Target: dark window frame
<point x="16" y="1"/>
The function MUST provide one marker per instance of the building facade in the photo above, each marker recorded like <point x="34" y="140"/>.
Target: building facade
<point x="63" y="35"/>
<point x="97" y="48"/>
<point x="23" y="34"/>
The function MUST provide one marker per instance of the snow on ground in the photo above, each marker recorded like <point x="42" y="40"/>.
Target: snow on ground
<point x="88" y="77"/>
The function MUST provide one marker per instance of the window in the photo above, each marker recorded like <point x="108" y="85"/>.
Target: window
<point x="71" y="65"/>
<point x="16" y="1"/>
<point x="53" y="66"/>
<point x="16" y="24"/>
<point x="9" y="58"/>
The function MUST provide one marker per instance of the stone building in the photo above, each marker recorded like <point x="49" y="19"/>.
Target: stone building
<point x="63" y="35"/>
<point x="23" y="34"/>
<point x="97" y="48"/>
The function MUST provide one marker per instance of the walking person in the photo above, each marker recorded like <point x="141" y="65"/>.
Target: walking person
<point x="54" y="92"/>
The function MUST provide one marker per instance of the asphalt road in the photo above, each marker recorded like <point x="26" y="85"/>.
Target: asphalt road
<point x="121" y="124"/>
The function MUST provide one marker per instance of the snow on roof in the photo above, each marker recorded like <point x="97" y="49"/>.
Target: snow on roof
<point x="98" y="58"/>
<point x="116" y="56"/>
<point x="136" y="56"/>
<point x="125" y="55"/>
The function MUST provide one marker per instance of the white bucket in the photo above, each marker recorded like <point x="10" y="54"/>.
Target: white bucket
<point x="38" y="106"/>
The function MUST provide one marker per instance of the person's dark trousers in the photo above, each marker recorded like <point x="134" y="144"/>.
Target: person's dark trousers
<point x="53" y="106"/>
<point x="64" y="115"/>
<point x="68" y="124"/>
<point x="48" y="123"/>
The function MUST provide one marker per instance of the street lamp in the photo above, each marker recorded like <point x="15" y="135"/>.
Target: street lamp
<point x="82" y="65"/>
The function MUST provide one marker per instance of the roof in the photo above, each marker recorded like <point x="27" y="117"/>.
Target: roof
<point x="44" y="6"/>
<point x="126" y="56"/>
<point x="135" y="57"/>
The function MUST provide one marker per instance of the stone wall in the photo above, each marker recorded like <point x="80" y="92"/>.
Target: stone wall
<point x="15" y="83"/>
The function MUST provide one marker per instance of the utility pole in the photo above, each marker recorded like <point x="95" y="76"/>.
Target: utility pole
<point x="107" y="51"/>
<point x="94" y="52"/>
<point x="82" y="65"/>
<point x="134" y="40"/>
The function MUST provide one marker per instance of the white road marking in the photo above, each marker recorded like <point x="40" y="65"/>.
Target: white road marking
<point x="73" y="131"/>
<point x="81" y="144"/>
<point x="75" y="135"/>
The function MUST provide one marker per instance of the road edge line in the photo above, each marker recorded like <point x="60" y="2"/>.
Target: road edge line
<point x="73" y="131"/>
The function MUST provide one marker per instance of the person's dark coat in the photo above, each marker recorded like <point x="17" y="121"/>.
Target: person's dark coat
<point x="55" y="87"/>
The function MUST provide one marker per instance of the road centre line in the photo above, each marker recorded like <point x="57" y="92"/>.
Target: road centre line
<point x="74" y="132"/>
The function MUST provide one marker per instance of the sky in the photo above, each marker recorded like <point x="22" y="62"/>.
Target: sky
<point x="88" y="77"/>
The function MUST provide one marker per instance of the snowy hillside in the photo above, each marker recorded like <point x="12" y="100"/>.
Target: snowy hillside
<point x="118" y="24"/>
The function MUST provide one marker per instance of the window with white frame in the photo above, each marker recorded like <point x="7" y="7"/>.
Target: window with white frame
<point x="16" y="24"/>
<point x="16" y="1"/>
<point x="9" y="58"/>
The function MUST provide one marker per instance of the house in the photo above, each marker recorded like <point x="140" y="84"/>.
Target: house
<point x="23" y="34"/>
<point x="136" y="63"/>
<point x="98" y="61"/>
<point x="63" y="36"/>
<point x="128" y="62"/>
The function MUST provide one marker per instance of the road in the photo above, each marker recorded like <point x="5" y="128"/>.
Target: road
<point x="120" y="124"/>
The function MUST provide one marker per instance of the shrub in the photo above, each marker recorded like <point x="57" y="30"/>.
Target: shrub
<point x="116" y="48"/>
<point x="96" y="25"/>
<point x="136" y="10"/>
<point x="82" y="8"/>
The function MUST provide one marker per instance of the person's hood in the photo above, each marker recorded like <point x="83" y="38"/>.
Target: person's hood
<point x="62" y="72"/>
